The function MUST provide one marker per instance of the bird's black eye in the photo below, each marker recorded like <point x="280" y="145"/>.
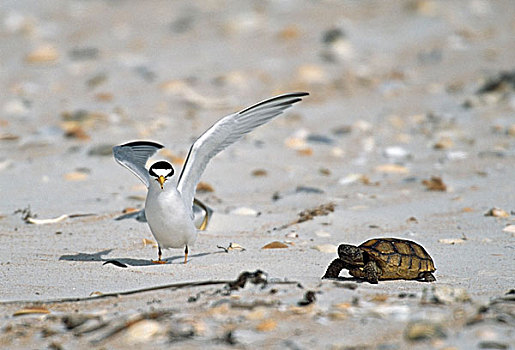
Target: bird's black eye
<point x="161" y="168"/>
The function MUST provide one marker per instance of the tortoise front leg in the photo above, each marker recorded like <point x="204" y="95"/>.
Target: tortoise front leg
<point x="334" y="268"/>
<point x="370" y="272"/>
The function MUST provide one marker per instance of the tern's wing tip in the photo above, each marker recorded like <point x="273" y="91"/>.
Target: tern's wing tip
<point x="140" y="143"/>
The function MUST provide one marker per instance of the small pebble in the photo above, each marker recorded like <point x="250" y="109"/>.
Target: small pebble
<point x="83" y="53"/>
<point x="443" y="143"/>
<point x="102" y="150"/>
<point x="312" y="74"/>
<point x="492" y="345"/>
<point x="314" y="138"/>
<point x="307" y="189"/>
<point x="435" y="184"/>
<point x="259" y="172"/>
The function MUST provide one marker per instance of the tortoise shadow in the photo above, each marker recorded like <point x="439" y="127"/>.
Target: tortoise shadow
<point x="97" y="257"/>
<point x="345" y="279"/>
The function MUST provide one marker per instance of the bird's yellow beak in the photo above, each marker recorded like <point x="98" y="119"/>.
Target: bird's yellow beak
<point x="161" y="179"/>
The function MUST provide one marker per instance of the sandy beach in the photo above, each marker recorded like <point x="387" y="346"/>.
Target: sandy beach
<point x="408" y="132"/>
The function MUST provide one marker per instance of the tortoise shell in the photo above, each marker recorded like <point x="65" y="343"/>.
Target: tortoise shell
<point x="397" y="258"/>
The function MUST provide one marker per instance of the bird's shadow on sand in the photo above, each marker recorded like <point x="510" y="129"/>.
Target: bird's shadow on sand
<point x="125" y="261"/>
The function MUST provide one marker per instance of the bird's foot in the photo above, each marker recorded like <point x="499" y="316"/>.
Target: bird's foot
<point x="158" y="261"/>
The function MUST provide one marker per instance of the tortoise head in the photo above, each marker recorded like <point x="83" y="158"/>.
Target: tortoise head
<point x="351" y="254"/>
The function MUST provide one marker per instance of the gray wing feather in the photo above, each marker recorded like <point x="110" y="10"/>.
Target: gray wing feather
<point x="225" y="132"/>
<point x="134" y="156"/>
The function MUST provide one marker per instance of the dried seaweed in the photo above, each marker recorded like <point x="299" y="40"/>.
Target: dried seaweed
<point x="310" y="214"/>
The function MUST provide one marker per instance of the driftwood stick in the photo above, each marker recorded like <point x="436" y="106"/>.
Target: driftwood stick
<point x="133" y="291"/>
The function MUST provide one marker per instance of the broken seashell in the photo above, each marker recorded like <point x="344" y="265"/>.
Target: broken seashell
<point x="149" y="242"/>
<point x="32" y="310"/>
<point x="275" y="245"/>
<point x="235" y="246"/>
<point x="43" y="54"/>
<point x="326" y="248"/>
<point x="351" y="178"/>
<point x="498" y="213"/>
<point x="75" y="176"/>
<point x="321" y="233"/>
<point x="395" y="152"/>
<point x="392" y="169"/>
<point x="451" y="241"/>
<point x="244" y="211"/>
<point x="510" y="229"/>
<point x="143" y="331"/>
<point x="305" y="152"/>
<point x="266" y="325"/>
<point x="31" y="220"/>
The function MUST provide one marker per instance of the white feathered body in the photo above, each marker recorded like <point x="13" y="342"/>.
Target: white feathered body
<point x="169" y="220"/>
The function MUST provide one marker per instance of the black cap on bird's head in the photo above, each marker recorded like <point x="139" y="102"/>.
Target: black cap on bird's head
<point x="161" y="171"/>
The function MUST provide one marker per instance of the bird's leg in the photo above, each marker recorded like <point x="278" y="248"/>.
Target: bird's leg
<point x="186" y="254"/>
<point x="159" y="261"/>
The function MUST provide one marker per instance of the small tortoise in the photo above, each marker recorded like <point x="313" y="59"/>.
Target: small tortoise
<point x="384" y="259"/>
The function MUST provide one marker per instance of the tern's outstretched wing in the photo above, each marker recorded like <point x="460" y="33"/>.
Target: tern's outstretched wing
<point x="225" y="132"/>
<point x="134" y="156"/>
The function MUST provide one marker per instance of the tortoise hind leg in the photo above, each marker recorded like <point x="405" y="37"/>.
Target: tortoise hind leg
<point x="334" y="269"/>
<point x="427" y="277"/>
<point x="370" y="272"/>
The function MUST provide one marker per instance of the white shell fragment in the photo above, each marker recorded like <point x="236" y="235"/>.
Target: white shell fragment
<point x="142" y="331"/>
<point x="451" y="240"/>
<point x="47" y="221"/>
<point x="396" y="152"/>
<point x="326" y="248"/>
<point x="510" y="229"/>
<point x="244" y="211"/>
